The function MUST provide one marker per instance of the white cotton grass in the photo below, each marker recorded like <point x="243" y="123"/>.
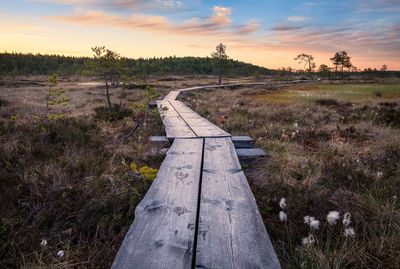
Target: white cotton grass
<point x="314" y="224"/>
<point x="308" y="241"/>
<point x="60" y="254"/>
<point x="282" y="203"/>
<point x="349" y="232"/>
<point x="282" y="216"/>
<point x="43" y="243"/>
<point x="346" y="219"/>
<point x="333" y="217"/>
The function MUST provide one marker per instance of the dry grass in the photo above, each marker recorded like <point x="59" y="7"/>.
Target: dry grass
<point x="322" y="157"/>
<point x="68" y="181"/>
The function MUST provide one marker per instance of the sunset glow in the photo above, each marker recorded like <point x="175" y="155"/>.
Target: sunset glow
<point x="265" y="33"/>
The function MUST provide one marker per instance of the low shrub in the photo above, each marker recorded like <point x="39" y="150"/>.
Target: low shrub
<point x="117" y="113"/>
<point x="326" y="102"/>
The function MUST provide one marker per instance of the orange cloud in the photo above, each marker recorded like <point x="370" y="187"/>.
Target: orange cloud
<point x="221" y="15"/>
<point x="212" y="26"/>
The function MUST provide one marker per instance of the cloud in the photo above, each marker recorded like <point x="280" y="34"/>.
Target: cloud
<point x="379" y="5"/>
<point x="287" y="27"/>
<point x="147" y="5"/>
<point x="247" y="28"/>
<point x="214" y="25"/>
<point x="221" y="15"/>
<point x="297" y="18"/>
<point x="68" y="2"/>
<point x="169" y="3"/>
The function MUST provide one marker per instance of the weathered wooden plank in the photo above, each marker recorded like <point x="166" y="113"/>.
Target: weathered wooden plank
<point x="243" y="141"/>
<point x="231" y="232"/>
<point x="162" y="233"/>
<point x="238" y="141"/>
<point x="171" y="95"/>
<point x="246" y="155"/>
<point x="175" y="126"/>
<point x="158" y="139"/>
<point x="200" y="126"/>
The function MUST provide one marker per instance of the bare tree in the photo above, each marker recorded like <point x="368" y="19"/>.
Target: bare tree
<point x="220" y="58"/>
<point x="308" y="61"/>
<point x="384" y="68"/>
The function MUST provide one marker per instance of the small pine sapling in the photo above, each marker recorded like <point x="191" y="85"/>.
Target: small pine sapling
<point x="55" y="97"/>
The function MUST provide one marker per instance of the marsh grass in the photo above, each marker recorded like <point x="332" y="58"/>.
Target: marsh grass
<point x="343" y="155"/>
<point x="341" y="92"/>
<point x="70" y="181"/>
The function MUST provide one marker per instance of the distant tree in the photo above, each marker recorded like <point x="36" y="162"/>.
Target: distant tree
<point x="107" y="66"/>
<point x="384" y="68"/>
<point x="219" y="60"/>
<point x="308" y="61"/>
<point x="323" y="68"/>
<point x="342" y="59"/>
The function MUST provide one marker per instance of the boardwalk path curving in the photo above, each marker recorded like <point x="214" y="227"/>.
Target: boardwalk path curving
<point x="199" y="211"/>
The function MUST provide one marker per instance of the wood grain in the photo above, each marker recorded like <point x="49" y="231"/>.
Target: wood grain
<point x="162" y="233"/>
<point x="175" y="126"/>
<point x="231" y="232"/>
<point x="200" y="126"/>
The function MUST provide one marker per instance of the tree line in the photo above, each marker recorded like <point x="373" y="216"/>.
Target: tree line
<point x="37" y="64"/>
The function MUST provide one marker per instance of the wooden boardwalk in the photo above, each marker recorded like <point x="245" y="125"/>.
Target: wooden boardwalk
<point x="199" y="211"/>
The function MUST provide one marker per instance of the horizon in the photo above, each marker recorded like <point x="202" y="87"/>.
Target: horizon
<point x="368" y="30"/>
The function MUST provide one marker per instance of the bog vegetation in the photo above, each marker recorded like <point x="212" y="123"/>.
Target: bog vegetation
<point x="75" y="158"/>
<point x="328" y="192"/>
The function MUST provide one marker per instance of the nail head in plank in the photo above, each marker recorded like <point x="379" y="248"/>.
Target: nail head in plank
<point x="162" y="233"/>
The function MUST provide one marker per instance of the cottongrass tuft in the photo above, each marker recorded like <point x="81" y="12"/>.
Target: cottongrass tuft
<point x="314" y="224"/>
<point x="349" y="232"/>
<point x="346" y="219"/>
<point x="282" y="203"/>
<point x="307" y="219"/>
<point x="308" y="241"/>
<point x="60" y="254"/>
<point x="43" y="243"/>
<point x="282" y="216"/>
<point x="333" y="217"/>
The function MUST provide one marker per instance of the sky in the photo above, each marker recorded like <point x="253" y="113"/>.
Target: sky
<point x="265" y="32"/>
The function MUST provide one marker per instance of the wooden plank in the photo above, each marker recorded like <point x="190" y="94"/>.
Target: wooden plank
<point x="231" y="232"/>
<point x="200" y="126"/>
<point x="175" y="126"/>
<point x="162" y="233"/>
<point x="246" y="155"/>
<point x="243" y="141"/>
<point x="171" y="95"/>
<point x="158" y="139"/>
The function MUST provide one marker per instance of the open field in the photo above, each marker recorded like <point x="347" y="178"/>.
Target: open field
<point x="70" y="181"/>
<point x="330" y="147"/>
